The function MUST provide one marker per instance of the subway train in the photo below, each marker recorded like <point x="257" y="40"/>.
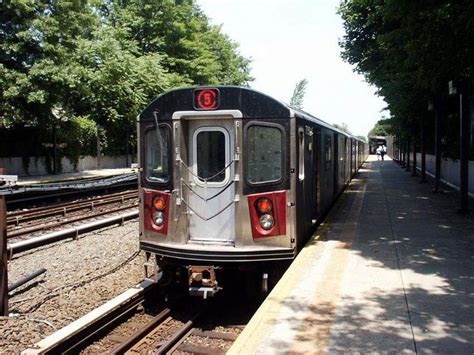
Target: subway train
<point x="234" y="181"/>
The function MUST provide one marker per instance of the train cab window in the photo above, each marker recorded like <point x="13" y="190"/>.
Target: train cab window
<point x="264" y="149"/>
<point x="156" y="155"/>
<point x="211" y="154"/>
<point x="328" y="151"/>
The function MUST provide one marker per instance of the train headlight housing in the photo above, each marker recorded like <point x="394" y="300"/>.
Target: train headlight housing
<point x="159" y="218"/>
<point x="267" y="221"/>
<point x="159" y="203"/>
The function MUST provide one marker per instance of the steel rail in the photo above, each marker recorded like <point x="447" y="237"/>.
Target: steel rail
<point x="68" y="204"/>
<point x="141" y="333"/>
<point x="25" y="231"/>
<point x="68" y="193"/>
<point x="182" y="333"/>
<point x="71" y="207"/>
<point x="73" y="232"/>
<point x="74" y="184"/>
<point x="74" y="336"/>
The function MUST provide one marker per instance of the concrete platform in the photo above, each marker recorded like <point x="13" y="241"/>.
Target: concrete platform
<point x="68" y="177"/>
<point x="390" y="271"/>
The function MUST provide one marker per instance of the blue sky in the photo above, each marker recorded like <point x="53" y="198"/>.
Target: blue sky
<point x="289" y="40"/>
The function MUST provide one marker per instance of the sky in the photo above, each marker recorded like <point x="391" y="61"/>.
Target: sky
<point x="291" y="40"/>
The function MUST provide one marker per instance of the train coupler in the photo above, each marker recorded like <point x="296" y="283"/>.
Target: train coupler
<point x="151" y="268"/>
<point x="202" y="281"/>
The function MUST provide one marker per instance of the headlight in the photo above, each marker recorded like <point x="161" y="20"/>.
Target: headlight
<point x="159" y="218"/>
<point x="267" y="222"/>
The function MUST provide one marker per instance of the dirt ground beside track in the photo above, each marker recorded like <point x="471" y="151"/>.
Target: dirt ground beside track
<point x="80" y="276"/>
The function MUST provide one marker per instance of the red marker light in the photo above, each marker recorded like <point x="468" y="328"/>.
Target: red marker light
<point x="206" y="99"/>
<point x="264" y="205"/>
<point x="159" y="203"/>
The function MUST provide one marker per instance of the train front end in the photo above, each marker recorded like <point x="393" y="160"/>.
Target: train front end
<point x="215" y="185"/>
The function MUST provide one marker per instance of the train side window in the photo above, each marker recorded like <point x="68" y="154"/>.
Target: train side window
<point x="328" y="151"/>
<point x="264" y="149"/>
<point x="156" y="155"/>
<point x="301" y="153"/>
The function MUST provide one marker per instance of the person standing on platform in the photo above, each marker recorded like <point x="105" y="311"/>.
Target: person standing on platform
<point x="379" y="152"/>
<point x="383" y="150"/>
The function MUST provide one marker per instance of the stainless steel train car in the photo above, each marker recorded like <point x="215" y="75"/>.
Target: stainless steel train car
<point x="232" y="179"/>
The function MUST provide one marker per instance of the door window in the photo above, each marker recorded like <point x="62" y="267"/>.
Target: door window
<point x="301" y="154"/>
<point x="211" y="154"/>
<point x="328" y="151"/>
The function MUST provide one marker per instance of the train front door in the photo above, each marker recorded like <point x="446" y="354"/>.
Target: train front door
<point x="211" y="191"/>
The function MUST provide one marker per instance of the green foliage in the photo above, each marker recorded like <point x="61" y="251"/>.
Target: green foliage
<point x="115" y="83"/>
<point x="409" y="50"/>
<point x="178" y="30"/>
<point x="342" y="127"/>
<point x="298" y="94"/>
<point x="100" y="62"/>
<point x="383" y="127"/>
<point x="78" y="136"/>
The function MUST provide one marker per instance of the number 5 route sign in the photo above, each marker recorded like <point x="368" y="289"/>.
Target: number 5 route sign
<point x="206" y="99"/>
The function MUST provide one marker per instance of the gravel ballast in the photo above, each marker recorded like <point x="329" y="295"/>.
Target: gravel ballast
<point x="80" y="276"/>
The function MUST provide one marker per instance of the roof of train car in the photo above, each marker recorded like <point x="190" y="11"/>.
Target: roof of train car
<point x="254" y="104"/>
<point x="309" y="117"/>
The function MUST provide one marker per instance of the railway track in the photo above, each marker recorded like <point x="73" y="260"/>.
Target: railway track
<point x="27" y="222"/>
<point x="73" y="189"/>
<point x="81" y="332"/>
<point x="28" y="229"/>
<point x="174" y="331"/>
<point x="170" y="330"/>
<point x="187" y="338"/>
<point x="19" y="217"/>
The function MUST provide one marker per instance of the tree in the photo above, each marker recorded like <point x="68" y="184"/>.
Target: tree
<point x="342" y="127"/>
<point x="383" y="127"/>
<point x="298" y="94"/>
<point x="181" y="33"/>
<point x="409" y="50"/>
<point x="115" y="83"/>
<point x="37" y="37"/>
<point x="87" y="68"/>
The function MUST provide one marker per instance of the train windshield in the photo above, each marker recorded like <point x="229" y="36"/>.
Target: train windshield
<point x="156" y="155"/>
<point x="264" y="147"/>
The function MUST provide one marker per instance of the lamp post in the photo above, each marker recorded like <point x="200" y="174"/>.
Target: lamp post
<point x="465" y="109"/>
<point x="402" y="152"/>
<point x="3" y="255"/>
<point x="423" y="144"/>
<point x="439" y="109"/>
<point x="408" y="153"/>
<point x="414" y="173"/>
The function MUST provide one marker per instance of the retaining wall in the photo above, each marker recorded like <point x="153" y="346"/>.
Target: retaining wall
<point x="449" y="170"/>
<point x="37" y="166"/>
